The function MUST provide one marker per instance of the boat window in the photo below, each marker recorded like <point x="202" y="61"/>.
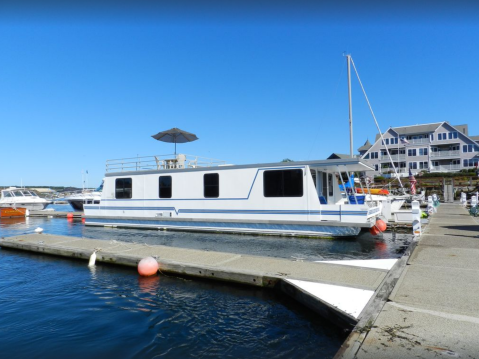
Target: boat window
<point x="26" y="193"/>
<point x="7" y="194"/>
<point x="313" y="175"/>
<point x="165" y="186"/>
<point x="283" y="183"/>
<point x="123" y="188"/>
<point x="330" y="185"/>
<point x="325" y="184"/>
<point x="211" y="185"/>
<point x="17" y="193"/>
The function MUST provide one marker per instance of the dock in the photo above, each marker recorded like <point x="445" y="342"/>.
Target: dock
<point x="433" y="310"/>
<point x="48" y="213"/>
<point x="339" y="292"/>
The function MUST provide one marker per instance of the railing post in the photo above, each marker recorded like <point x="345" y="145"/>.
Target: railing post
<point x="430" y="206"/>
<point x="416" y="218"/>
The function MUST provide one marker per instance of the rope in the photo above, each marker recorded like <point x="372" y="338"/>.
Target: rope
<point x="377" y="125"/>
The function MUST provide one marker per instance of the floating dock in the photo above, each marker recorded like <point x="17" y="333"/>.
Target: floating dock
<point x="48" y="213"/>
<point x="339" y="291"/>
<point x="433" y="311"/>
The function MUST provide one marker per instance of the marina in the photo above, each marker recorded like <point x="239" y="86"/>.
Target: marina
<point x="377" y="287"/>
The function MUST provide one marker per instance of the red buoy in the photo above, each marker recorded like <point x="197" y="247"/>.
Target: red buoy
<point x="381" y="225"/>
<point x="69" y="215"/>
<point x="148" y="266"/>
<point x="374" y="231"/>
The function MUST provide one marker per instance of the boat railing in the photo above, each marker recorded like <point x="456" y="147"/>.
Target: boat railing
<point x="161" y="162"/>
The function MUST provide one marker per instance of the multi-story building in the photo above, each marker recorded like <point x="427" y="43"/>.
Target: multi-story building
<point x="434" y="147"/>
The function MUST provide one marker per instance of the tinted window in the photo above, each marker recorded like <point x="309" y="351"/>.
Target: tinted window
<point x="286" y="183"/>
<point x="123" y="188"/>
<point x="165" y="186"/>
<point x="211" y="184"/>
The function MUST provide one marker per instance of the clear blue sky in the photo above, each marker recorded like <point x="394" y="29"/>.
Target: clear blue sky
<point x="257" y="83"/>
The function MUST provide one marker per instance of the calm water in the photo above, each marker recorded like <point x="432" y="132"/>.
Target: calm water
<point x="54" y="307"/>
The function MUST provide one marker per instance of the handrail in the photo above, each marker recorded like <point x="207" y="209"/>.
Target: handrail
<point x="160" y="162"/>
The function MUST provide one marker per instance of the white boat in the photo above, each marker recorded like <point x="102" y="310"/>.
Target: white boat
<point x="20" y="197"/>
<point x="185" y="193"/>
<point x="77" y="200"/>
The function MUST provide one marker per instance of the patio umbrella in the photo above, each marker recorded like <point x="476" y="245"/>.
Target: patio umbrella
<point x="175" y="135"/>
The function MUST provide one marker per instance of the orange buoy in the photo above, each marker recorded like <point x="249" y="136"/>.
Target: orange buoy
<point x="69" y="215"/>
<point x="381" y="225"/>
<point x="148" y="266"/>
<point x="374" y="231"/>
<point x="83" y="220"/>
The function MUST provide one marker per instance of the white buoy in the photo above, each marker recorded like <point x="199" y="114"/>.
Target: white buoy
<point x="91" y="263"/>
<point x="39" y="230"/>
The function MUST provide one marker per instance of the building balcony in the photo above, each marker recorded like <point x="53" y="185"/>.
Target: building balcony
<point x="400" y="157"/>
<point x="437" y="154"/>
<point x="419" y="141"/>
<point x="446" y="168"/>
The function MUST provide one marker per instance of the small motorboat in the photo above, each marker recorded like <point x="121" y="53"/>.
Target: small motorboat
<point x="20" y="197"/>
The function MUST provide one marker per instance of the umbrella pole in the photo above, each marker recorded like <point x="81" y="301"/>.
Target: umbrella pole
<point x="175" y="147"/>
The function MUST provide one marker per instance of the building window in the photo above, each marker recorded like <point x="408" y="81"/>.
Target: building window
<point x="284" y="183"/>
<point x="470" y="148"/>
<point x="387" y="141"/>
<point x="423" y="165"/>
<point x="411" y="152"/>
<point x="366" y="157"/>
<point x="211" y="185"/>
<point x="431" y="136"/>
<point x="452" y="135"/>
<point x="473" y="162"/>
<point x="423" y="151"/>
<point x="413" y="165"/>
<point x="165" y="186"/>
<point x="374" y="155"/>
<point x="123" y="188"/>
<point x="376" y="168"/>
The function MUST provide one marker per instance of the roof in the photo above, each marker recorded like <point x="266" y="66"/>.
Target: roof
<point x="367" y="145"/>
<point x="335" y="156"/>
<point x="409" y="130"/>
<point x="427" y="128"/>
<point x="475" y="138"/>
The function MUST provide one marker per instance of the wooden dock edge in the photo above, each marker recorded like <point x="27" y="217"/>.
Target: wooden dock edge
<point x="370" y="313"/>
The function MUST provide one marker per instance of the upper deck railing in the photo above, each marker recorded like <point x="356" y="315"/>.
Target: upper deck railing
<point x="160" y="162"/>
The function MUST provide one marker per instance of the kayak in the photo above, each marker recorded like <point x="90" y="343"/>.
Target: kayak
<point x="373" y="191"/>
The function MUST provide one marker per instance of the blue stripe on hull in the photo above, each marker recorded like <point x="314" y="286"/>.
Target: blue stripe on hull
<point x="259" y="228"/>
<point x="231" y="211"/>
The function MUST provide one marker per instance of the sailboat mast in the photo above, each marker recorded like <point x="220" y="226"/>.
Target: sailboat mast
<point x="350" y="107"/>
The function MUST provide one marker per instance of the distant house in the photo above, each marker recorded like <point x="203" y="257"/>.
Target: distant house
<point x="433" y="147"/>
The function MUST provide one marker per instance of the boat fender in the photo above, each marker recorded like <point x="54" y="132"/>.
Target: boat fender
<point x="381" y="225"/>
<point x="148" y="266"/>
<point x="374" y="231"/>
<point x="92" y="260"/>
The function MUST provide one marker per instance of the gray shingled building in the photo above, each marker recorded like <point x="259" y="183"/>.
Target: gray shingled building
<point x="433" y="147"/>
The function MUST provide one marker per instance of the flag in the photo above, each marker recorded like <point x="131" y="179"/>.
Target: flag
<point x="413" y="182"/>
<point x="404" y="141"/>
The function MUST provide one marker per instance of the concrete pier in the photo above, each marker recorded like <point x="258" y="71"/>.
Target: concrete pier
<point x="433" y="311"/>
<point x="338" y="292"/>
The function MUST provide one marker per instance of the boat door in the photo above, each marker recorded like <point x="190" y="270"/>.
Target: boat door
<point x="325" y="187"/>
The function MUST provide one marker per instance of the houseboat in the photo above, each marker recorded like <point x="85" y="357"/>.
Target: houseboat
<point x="190" y="193"/>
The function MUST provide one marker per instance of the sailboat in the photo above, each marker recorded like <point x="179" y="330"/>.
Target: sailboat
<point x="389" y="203"/>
